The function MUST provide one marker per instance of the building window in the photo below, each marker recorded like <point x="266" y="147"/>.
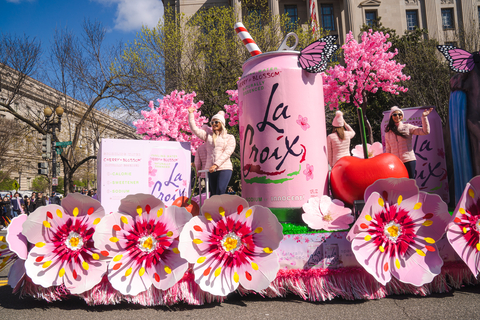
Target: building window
<point x="370" y="18"/>
<point x="255" y="16"/>
<point x="412" y="19"/>
<point x="447" y="19"/>
<point x="291" y="11"/>
<point x="328" y="22"/>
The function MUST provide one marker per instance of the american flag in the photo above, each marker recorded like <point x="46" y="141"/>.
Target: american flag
<point x="313" y="15"/>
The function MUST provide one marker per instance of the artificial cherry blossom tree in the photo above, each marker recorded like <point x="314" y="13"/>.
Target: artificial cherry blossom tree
<point x="369" y="66"/>
<point x="168" y="122"/>
<point x="233" y="110"/>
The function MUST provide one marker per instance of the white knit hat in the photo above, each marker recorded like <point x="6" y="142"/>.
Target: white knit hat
<point x="220" y="116"/>
<point x="338" y="120"/>
<point x="395" y="108"/>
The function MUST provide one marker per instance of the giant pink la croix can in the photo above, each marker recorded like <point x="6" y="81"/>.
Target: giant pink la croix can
<point x="282" y="133"/>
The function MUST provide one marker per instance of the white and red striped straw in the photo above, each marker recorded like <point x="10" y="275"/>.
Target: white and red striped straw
<point x="247" y="39"/>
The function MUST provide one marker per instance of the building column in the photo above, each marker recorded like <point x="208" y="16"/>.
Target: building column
<point x="434" y="20"/>
<point x="237" y="7"/>
<point x="349" y="16"/>
<point x="274" y="8"/>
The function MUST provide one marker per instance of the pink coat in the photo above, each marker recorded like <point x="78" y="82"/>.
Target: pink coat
<point x="402" y="147"/>
<point x="338" y="148"/>
<point x="218" y="153"/>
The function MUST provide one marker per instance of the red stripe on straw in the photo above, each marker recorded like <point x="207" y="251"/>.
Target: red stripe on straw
<point x="247" y="39"/>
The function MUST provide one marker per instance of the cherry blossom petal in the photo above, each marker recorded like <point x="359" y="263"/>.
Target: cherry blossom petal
<point x="392" y="189"/>
<point x="16" y="273"/>
<point x="463" y="232"/>
<point x="419" y="270"/>
<point x="127" y="278"/>
<point x="17" y="242"/>
<point x="227" y="202"/>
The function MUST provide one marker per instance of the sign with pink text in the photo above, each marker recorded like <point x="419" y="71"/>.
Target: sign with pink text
<point x="431" y="167"/>
<point x="160" y="168"/>
<point x="282" y="132"/>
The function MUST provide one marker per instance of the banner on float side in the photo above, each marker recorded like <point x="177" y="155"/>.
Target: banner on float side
<point x="331" y="250"/>
<point x="431" y="167"/>
<point x="282" y="132"/>
<point x="160" y="168"/>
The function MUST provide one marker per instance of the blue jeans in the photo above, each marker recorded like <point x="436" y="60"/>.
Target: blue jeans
<point x="410" y="165"/>
<point x="218" y="181"/>
<point x="16" y="213"/>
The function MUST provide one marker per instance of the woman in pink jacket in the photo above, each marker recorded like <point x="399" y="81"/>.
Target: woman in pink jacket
<point x="220" y="146"/>
<point x="338" y="142"/>
<point x="398" y="137"/>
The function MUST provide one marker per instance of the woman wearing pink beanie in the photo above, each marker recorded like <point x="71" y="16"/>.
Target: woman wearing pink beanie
<point x="220" y="146"/>
<point x="398" y="137"/>
<point x="338" y="142"/>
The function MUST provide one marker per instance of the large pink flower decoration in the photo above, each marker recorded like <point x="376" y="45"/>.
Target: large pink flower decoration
<point x="141" y="238"/>
<point x="64" y="251"/>
<point x="373" y="150"/>
<point x="464" y="231"/>
<point x="231" y="244"/>
<point x="18" y="244"/>
<point x="323" y="213"/>
<point x="397" y="230"/>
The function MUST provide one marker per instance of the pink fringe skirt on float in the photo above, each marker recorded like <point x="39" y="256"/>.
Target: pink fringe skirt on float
<point x="313" y="285"/>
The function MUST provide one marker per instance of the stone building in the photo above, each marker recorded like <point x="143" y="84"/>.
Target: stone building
<point x="24" y="150"/>
<point x="444" y="19"/>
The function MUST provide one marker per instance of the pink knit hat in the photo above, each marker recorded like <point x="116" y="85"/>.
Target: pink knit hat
<point x="220" y="116"/>
<point x="393" y="109"/>
<point x="338" y="120"/>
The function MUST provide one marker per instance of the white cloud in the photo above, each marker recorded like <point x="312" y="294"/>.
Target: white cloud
<point x="131" y="15"/>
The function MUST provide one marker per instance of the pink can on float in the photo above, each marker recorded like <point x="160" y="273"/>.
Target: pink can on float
<point x="282" y="134"/>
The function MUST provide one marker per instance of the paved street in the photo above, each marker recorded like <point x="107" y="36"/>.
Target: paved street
<point x="459" y="304"/>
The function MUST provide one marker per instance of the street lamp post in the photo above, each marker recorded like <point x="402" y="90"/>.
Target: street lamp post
<point x="52" y="125"/>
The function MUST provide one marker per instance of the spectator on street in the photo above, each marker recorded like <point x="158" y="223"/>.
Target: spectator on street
<point x="5" y="211"/>
<point x="17" y="205"/>
<point x="27" y="205"/>
<point x="40" y="201"/>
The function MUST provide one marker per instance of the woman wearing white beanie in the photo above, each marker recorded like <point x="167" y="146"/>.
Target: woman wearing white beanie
<point x="338" y="142"/>
<point x="220" y="146"/>
<point x="398" y="137"/>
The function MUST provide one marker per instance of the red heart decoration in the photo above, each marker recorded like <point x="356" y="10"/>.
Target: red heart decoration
<point x="350" y="176"/>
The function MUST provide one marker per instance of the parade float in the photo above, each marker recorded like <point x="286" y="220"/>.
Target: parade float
<point x="139" y="245"/>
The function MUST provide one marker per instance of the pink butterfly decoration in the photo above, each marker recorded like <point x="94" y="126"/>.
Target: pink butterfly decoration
<point x="460" y="60"/>
<point x="315" y="56"/>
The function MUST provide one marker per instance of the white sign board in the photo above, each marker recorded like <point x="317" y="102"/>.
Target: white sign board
<point x="160" y="168"/>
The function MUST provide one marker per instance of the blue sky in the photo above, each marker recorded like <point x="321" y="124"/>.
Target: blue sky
<point x="39" y="18"/>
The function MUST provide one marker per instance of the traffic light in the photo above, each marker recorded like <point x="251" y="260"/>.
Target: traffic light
<point x="47" y="146"/>
<point x="42" y="168"/>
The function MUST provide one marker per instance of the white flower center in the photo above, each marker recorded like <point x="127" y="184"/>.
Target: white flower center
<point x="74" y="241"/>
<point x="147" y="243"/>
<point x="392" y="231"/>
<point x="231" y="242"/>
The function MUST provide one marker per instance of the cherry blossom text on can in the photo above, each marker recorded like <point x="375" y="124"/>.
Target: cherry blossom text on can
<point x="282" y="131"/>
